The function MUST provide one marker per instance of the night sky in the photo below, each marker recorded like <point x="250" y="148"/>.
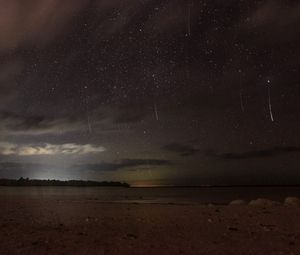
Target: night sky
<point x="151" y="92"/>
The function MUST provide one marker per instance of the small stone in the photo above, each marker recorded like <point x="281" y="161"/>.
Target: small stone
<point x="237" y="202"/>
<point x="292" y="201"/>
<point x="133" y="236"/>
<point x="263" y="202"/>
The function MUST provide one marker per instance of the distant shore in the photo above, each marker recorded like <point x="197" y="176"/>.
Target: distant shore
<point x="69" y="183"/>
<point x="89" y="183"/>
<point x="217" y="186"/>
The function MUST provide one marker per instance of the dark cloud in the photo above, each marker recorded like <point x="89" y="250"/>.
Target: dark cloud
<point x="17" y="122"/>
<point x="276" y="151"/>
<point x="125" y="163"/>
<point x="101" y="120"/>
<point x="183" y="150"/>
<point x="31" y="124"/>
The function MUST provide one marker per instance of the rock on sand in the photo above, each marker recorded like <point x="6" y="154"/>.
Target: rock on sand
<point x="237" y="202"/>
<point x="292" y="201"/>
<point x="263" y="202"/>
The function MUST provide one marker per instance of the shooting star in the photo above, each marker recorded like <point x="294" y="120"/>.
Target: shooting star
<point x="269" y="101"/>
<point x="156" y="112"/>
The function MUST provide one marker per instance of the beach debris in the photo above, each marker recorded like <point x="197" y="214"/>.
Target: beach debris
<point x="232" y="228"/>
<point x="132" y="236"/>
<point x="292" y="201"/>
<point x="267" y="227"/>
<point x="89" y="219"/>
<point x="292" y="243"/>
<point x="263" y="202"/>
<point x="237" y="202"/>
<point x="36" y="242"/>
<point x="59" y="227"/>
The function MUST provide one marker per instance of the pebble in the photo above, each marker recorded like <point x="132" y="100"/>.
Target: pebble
<point x="263" y="202"/>
<point x="237" y="202"/>
<point x="292" y="201"/>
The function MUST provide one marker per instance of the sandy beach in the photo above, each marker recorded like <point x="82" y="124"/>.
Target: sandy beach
<point x="54" y="226"/>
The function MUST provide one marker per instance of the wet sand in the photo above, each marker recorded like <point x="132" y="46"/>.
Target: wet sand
<point x="53" y="226"/>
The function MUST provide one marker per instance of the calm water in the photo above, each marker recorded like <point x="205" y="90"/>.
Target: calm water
<point x="151" y="195"/>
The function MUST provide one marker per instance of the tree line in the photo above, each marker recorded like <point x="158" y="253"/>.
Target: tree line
<point x="74" y="183"/>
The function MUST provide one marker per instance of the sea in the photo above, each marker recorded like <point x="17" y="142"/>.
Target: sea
<point x="154" y="195"/>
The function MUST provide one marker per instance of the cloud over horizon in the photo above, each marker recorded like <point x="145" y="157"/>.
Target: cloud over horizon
<point x="272" y="152"/>
<point x="33" y="124"/>
<point x="124" y="163"/>
<point x="182" y="149"/>
<point x="48" y="149"/>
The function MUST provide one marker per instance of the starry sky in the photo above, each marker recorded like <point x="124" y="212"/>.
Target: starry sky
<point x="151" y="92"/>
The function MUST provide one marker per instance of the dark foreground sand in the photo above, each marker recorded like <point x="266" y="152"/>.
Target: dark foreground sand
<point x="51" y="226"/>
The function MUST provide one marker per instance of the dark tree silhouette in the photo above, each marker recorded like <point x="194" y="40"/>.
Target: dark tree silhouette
<point x="74" y="183"/>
